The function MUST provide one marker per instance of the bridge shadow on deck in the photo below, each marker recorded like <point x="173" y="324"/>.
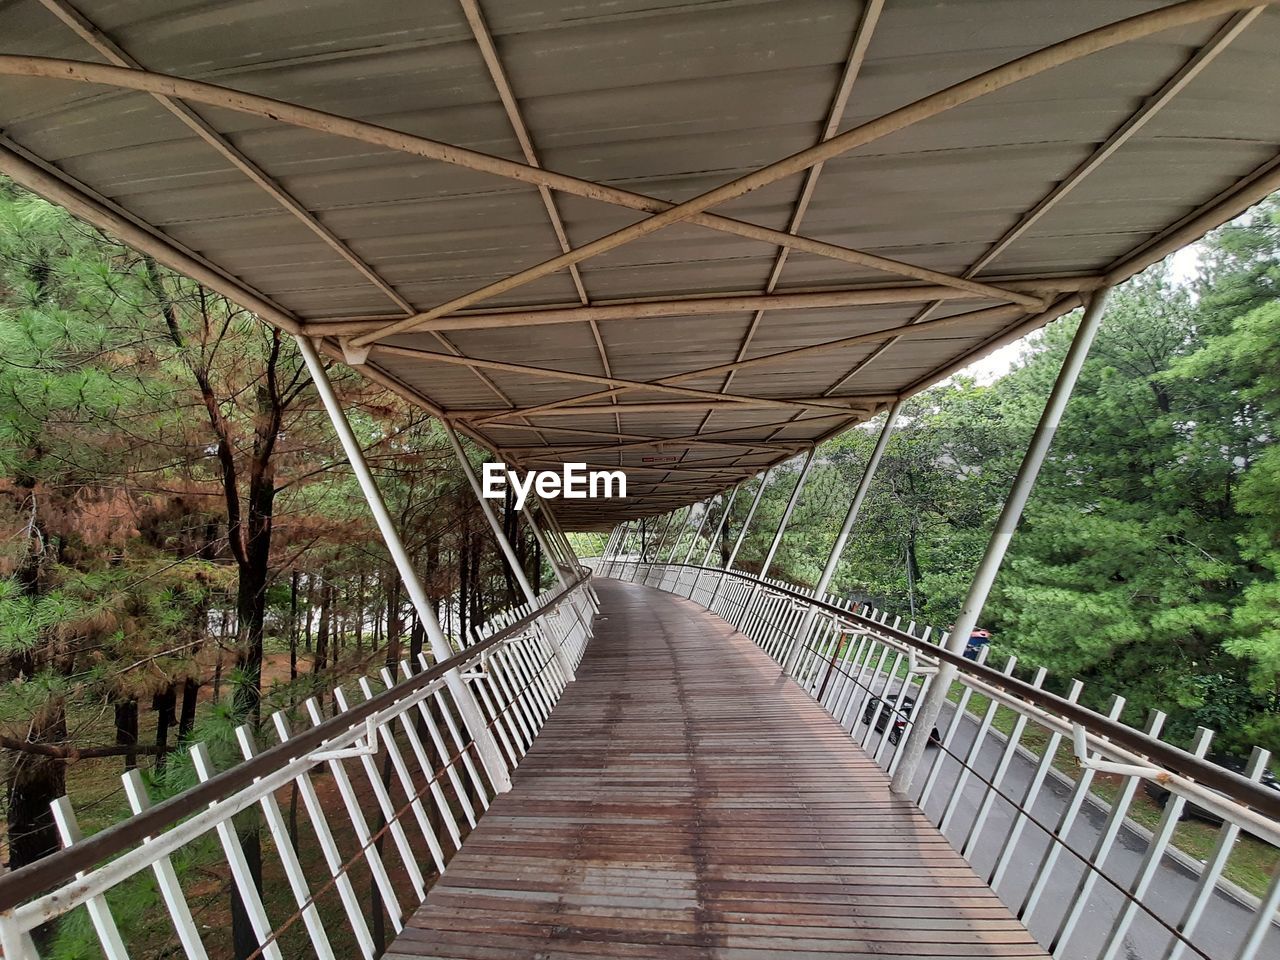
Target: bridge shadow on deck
<point x="684" y="800"/>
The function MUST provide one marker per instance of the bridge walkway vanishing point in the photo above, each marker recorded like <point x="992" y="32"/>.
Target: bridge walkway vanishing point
<point x="686" y="800"/>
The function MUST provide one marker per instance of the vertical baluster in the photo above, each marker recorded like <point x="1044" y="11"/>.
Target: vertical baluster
<point x="329" y="849"/>
<point x="1065" y="822"/>
<point x="997" y="777"/>
<point x="360" y="827"/>
<point x="975" y="751"/>
<point x="1207" y="885"/>
<point x="1160" y="839"/>
<point x="412" y="792"/>
<point x="104" y="924"/>
<point x="1023" y="807"/>
<point x="1095" y="863"/>
<point x="250" y="898"/>
<point x="293" y="871"/>
<point x="424" y="757"/>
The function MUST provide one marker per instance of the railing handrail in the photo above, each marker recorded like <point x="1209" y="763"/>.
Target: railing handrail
<point x="61" y="867"/>
<point x="1233" y="786"/>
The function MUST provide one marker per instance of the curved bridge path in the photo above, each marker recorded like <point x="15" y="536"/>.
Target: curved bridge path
<point x="682" y="801"/>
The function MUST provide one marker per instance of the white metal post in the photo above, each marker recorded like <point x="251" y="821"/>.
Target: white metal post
<point x="661" y="540"/>
<point x="706" y="512"/>
<point x="742" y="535"/>
<point x="672" y="527"/>
<point x="751" y="512"/>
<point x="609" y="547"/>
<point x="550" y="551"/>
<point x="786" y="513"/>
<point x="837" y="548"/>
<point x="619" y="542"/>
<point x="557" y="567"/>
<point x="487" y="509"/>
<point x="715" y="537"/>
<point x="472" y="717"/>
<point x="680" y="531"/>
<point x="570" y="555"/>
<point x="175" y="900"/>
<point x="777" y="536"/>
<point x="914" y="746"/>
<point x="517" y="570"/>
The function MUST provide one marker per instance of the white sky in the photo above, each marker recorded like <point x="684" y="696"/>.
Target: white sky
<point x="1183" y="266"/>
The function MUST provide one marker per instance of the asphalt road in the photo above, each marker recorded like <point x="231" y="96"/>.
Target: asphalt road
<point x="1221" y="930"/>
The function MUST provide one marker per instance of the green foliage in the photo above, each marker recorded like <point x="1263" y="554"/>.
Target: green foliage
<point x="1147" y="562"/>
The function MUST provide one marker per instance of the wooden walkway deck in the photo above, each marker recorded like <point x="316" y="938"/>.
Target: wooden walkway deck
<point x="685" y="801"/>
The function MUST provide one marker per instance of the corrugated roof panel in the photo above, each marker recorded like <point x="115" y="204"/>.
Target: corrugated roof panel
<point x="662" y="97"/>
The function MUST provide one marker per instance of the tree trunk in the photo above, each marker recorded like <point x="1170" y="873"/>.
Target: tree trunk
<point x="508" y="575"/>
<point x="416" y="636"/>
<point x="311" y="613"/>
<point x="464" y="592"/>
<point x="163" y="704"/>
<point x="321" y="660"/>
<point x="127" y="728"/>
<point x="187" y="718"/>
<point x="377" y="620"/>
<point x="33" y="782"/>
<point x="393" y="624"/>
<point x="477" y="599"/>
<point x="360" y="613"/>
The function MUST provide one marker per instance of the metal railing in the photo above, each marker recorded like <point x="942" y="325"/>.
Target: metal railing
<point x="1033" y="788"/>
<point x="379" y="796"/>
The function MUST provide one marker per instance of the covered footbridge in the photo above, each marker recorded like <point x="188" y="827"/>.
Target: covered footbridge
<point x="687" y="241"/>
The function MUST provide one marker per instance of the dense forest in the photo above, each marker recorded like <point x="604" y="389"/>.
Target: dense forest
<point x="182" y="547"/>
<point x="1148" y="561"/>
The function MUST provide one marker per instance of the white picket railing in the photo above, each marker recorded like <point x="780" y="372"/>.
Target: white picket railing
<point x="1075" y="869"/>
<point x="380" y="795"/>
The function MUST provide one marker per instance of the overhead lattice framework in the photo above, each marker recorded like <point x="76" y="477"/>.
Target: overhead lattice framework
<point x="479" y="193"/>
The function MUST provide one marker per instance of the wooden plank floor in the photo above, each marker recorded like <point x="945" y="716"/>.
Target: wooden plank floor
<point x="685" y="801"/>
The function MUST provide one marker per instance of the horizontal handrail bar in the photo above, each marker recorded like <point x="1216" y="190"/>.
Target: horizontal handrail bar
<point x="61" y="867"/>
<point x="1238" y="788"/>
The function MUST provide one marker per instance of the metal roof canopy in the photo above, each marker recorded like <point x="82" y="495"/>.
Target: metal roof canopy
<point x="722" y="230"/>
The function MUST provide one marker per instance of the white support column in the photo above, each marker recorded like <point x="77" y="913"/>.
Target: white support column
<point x="615" y="549"/>
<point x="985" y="576"/>
<point x="706" y="512"/>
<point x="549" y="550"/>
<point x="715" y="537"/>
<point x="837" y="548"/>
<point x="557" y="535"/>
<point x="751" y="512"/>
<point x="661" y="541"/>
<point x="557" y="567"/>
<point x="517" y="570"/>
<point x="742" y="535"/>
<point x="792" y="500"/>
<point x="609" y="546"/>
<point x="624" y="543"/>
<point x="570" y="555"/>
<point x="487" y="509"/>
<point x="553" y="540"/>
<point x="684" y="525"/>
<point x="720" y="526"/>
<point x="786" y="513"/>
<point x="472" y="717"/>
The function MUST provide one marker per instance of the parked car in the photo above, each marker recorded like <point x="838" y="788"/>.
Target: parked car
<point x="905" y="709"/>
<point x="977" y="640"/>
<point x="1161" y="794"/>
